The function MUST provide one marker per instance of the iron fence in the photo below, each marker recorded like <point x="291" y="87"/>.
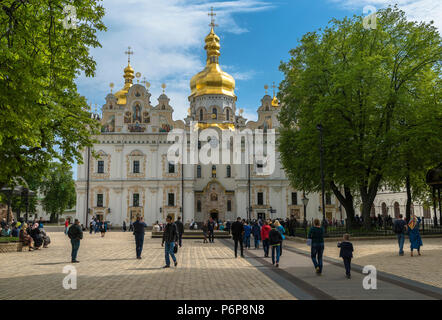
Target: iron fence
<point x="426" y="227"/>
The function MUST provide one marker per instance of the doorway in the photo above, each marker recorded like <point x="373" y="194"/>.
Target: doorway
<point x="261" y="215"/>
<point x="214" y="215"/>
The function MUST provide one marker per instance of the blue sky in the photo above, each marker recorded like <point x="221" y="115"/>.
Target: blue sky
<point x="167" y="37"/>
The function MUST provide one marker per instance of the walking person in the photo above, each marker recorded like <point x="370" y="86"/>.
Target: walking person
<point x="281" y="230"/>
<point x="180" y="229"/>
<point x="75" y="234"/>
<point x="400" y="227"/>
<point x="139" y="227"/>
<point x="237" y="229"/>
<point x="124" y="226"/>
<point x="102" y="228"/>
<point x="316" y="234"/>
<point x="247" y="232"/>
<point x="205" y="232"/>
<point x="211" y="228"/>
<point x="414" y="235"/>
<point x="256" y="231"/>
<point x="170" y="237"/>
<point x="346" y="253"/>
<point x="265" y="229"/>
<point x="91" y="226"/>
<point x="275" y="240"/>
<point x="66" y="226"/>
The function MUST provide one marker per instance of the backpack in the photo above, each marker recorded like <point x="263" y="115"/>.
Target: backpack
<point x="398" y="228"/>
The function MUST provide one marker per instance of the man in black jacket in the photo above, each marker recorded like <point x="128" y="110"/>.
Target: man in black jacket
<point x="170" y="237"/>
<point x="139" y="226"/>
<point x="211" y="228"/>
<point x="75" y="234"/>
<point x="237" y="234"/>
<point x="180" y="229"/>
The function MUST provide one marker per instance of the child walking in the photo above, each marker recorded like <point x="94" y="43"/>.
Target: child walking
<point x="346" y="254"/>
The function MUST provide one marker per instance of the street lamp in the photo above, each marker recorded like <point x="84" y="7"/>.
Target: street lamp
<point x="321" y="152"/>
<point x="305" y="203"/>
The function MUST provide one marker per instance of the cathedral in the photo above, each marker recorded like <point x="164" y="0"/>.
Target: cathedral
<point x="131" y="175"/>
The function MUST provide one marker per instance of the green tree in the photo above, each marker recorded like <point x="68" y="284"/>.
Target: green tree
<point x="359" y="84"/>
<point x="42" y="116"/>
<point x="58" y="189"/>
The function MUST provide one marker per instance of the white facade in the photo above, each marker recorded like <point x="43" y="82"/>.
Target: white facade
<point x="131" y="175"/>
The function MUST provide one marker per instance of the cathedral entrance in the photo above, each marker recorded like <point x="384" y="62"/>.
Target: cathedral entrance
<point x="214" y="215"/>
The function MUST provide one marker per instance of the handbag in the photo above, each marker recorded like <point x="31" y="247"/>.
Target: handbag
<point x="175" y="249"/>
<point x="309" y="242"/>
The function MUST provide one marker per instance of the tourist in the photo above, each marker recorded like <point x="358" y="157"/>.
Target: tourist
<point x="205" y="229"/>
<point x="5" y="231"/>
<point x="211" y="228"/>
<point x="102" y="228"/>
<point x="316" y="234"/>
<point x="414" y="235"/>
<point x="131" y="226"/>
<point x="46" y="239"/>
<point x="346" y="253"/>
<point x="66" y="226"/>
<point x="256" y="231"/>
<point x="139" y="230"/>
<point x="247" y="232"/>
<point x="36" y="236"/>
<point x="238" y="235"/>
<point x="156" y="227"/>
<point x="180" y="229"/>
<point x="292" y="225"/>
<point x="91" y="226"/>
<point x="124" y="226"/>
<point x="275" y="240"/>
<point x="281" y="231"/>
<point x="400" y="227"/>
<point x="170" y="237"/>
<point x="25" y="238"/>
<point x="75" y="234"/>
<point x="265" y="238"/>
<point x="228" y="225"/>
<point x="15" y="230"/>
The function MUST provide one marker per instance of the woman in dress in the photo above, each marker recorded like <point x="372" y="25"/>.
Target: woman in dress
<point x="414" y="235"/>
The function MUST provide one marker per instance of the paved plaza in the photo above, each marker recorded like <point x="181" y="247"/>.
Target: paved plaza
<point x="108" y="270"/>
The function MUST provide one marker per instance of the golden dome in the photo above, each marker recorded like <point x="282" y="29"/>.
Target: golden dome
<point x="275" y="101"/>
<point x="212" y="80"/>
<point x="128" y="77"/>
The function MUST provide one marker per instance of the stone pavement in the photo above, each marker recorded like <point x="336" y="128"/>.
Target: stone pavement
<point x="383" y="254"/>
<point x="108" y="270"/>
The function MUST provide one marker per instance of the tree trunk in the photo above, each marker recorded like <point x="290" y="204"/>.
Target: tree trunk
<point x="408" y="186"/>
<point x="368" y="194"/>
<point x="346" y="201"/>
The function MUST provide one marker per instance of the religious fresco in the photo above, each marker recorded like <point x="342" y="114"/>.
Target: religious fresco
<point x="136" y="113"/>
<point x="136" y="127"/>
<point x="146" y="118"/>
<point x="127" y="117"/>
<point x="109" y="126"/>
<point x="164" y="125"/>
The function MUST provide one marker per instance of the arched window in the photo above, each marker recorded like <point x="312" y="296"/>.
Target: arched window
<point x="213" y="171"/>
<point x="384" y="209"/>
<point x="215" y="113"/>
<point x="198" y="171"/>
<point x="201" y="114"/>
<point x="227" y="114"/>
<point x="229" y="171"/>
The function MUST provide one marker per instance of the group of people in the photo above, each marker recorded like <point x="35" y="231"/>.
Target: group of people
<point x="31" y="235"/>
<point x="96" y="225"/>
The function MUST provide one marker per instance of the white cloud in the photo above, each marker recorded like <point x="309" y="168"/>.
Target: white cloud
<point x="167" y="38"/>
<point x="416" y="10"/>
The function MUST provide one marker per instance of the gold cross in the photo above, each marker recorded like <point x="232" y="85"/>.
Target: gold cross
<point x="274" y="87"/>
<point x="128" y="52"/>
<point x="212" y="19"/>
